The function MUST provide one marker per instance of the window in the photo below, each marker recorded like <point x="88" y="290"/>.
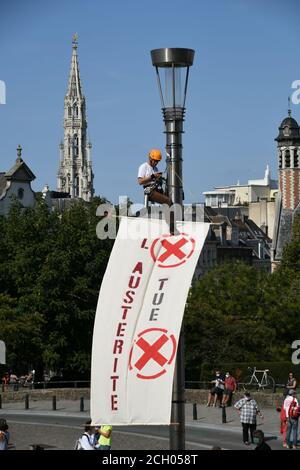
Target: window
<point x="296" y="158"/>
<point x="280" y="160"/>
<point x="287" y="159"/>
<point x="77" y="186"/>
<point x="20" y="193"/>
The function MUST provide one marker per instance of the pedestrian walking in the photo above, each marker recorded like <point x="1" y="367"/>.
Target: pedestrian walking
<point x="248" y="410"/>
<point x="292" y="409"/>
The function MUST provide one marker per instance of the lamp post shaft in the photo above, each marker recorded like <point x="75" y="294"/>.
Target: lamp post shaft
<point x="174" y="128"/>
<point x="173" y="131"/>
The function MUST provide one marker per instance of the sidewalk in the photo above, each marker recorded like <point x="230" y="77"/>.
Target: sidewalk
<point x="206" y="417"/>
<point x="62" y="434"/>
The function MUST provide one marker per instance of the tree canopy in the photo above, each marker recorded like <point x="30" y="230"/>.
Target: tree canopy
<point x="51" y="268"/>
<point x="236" y="313"/>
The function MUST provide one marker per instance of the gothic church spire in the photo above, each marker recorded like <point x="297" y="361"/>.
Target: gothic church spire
<point x="75" y="175"/>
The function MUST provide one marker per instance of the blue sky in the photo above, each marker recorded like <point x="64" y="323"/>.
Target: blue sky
<point x="247" y="57"/>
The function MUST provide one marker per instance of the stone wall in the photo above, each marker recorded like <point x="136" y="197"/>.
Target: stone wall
<point x="47" y="394"/>
<point x="264" y="399"/>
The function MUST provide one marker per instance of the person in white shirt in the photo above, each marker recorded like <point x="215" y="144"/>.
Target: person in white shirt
<point x="292" y="423"/>
<point x="148" y="174"/>
<point x="87" y="439"/>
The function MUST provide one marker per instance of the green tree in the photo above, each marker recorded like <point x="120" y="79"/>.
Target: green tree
<point x="225" y="318"/>
<point x="51" y="268"/>
<point x="283" y="297"/>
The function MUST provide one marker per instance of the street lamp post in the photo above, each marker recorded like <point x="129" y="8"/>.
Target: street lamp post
<point x="172" y="70"/>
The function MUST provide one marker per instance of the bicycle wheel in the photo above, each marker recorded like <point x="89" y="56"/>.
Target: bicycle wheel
<point x="270" y="383"/>
<point x="250" y="384"/>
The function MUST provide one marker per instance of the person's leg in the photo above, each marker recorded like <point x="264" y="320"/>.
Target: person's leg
<point x="245" y="432"/>
<point x="225" y="398"/>
<point x="160" y="198"/>
<point x="209" y="399"/>
<point x="284" y="426"/>
<point x="156" y="196"/>
<point x="295" y="432"/>
<point x="220" y="398"/>
<point x="288" y="433"/>
<point x="252" y="429"/>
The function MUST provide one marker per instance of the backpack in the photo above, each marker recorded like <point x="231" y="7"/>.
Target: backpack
<point x="78" y="445"/>
<point x="294" y="410"/>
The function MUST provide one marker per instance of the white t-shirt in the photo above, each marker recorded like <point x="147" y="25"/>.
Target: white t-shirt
<point x="287" y="403"/>
<point x="87" y="441"/>
<point x="146" y="170"/>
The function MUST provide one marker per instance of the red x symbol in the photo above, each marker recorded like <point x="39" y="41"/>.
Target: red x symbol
<point x="165" y="260"/>
<point x="151" y="352"/>
<point x="173" y="249"/>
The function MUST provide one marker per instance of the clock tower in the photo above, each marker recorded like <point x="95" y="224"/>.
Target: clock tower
<point x="288" y="200"/>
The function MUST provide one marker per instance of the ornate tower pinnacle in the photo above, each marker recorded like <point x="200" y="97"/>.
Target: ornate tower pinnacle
<point x="19" y="153"/>
<point x="75" y="175"/>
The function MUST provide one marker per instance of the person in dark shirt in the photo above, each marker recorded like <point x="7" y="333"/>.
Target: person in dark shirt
<point x="291" y="384"/>
<point x="259" y="439"/>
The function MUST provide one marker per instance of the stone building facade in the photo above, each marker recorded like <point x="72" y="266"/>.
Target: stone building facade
<point x="15" y="185"/>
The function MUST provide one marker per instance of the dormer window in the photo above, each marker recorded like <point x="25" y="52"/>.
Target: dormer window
<point x="286" y="131"/>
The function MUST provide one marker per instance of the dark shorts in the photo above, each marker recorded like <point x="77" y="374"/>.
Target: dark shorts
<point x="228" y="393"/>
<point x="216" y="390"/>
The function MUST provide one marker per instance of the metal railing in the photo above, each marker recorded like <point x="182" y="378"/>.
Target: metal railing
<point x="241" y="386"/>
<point x="189" y="384"/>
<point x="15" y="387"/>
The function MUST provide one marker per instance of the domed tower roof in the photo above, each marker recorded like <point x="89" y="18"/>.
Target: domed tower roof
<point x="290" y="122"/>
<point x="288" y="129"/>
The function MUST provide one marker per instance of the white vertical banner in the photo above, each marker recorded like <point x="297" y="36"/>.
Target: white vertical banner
<point x="138" y="320"/>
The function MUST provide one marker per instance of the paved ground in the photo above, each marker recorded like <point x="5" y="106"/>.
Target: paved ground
<point x="61" y="428"/>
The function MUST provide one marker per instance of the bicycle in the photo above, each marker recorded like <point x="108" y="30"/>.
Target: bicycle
<point x="253" y="382"/>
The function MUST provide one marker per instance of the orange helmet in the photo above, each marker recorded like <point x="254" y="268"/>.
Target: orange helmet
<point x="155" y="154"/>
